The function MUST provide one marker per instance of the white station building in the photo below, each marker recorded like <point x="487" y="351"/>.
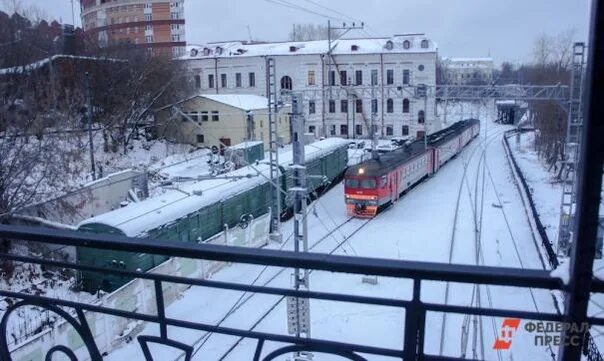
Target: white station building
<point x="361" y="77"/>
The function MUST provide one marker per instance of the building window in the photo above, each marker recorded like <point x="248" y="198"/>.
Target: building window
<point x="210" y="81"/>
<point x="311" y="129"/>
<point x="238" y="80"/>
<point x="343" y="77"/>
<point x="197" y="81"/>
<point x="311" y="107"/>
<point x="175" y="38"/>
<point x="204" y="116"/>
<point x="223" y="80"/>
<point x="332" y="106"/>
<point x="405" y="105"/>
<point x="389" y="130"/>
<point x="405" y="130"/>
<point x="374" y="77"/>
<point x="359" y="105"/>
<point x="311" y="77"/>
<point x="175" y="16"/>
<point x="359" y="129"/>
<point x="286" y="83"/>
<point x="149" y="39"/>
<point x="406" y="44"/>
<point x="358" y="77"/>
<point x="148" y="17"/>
<point x="343" y="129"/>
<point x="424" y="44"/>
<point x="215" y="116"/>
<point x="332" y="78"/>
<point x="252" y="79"/>
<point x="406" y="77"/>
<point x="421" y="117"/>
<point x="200" y="138"/>
<point x="421" y="67"/>
<point x="374" y="106"/>
<point x="332" y="129"/>
<point x="389" y="76"/>
<point x="390" y="106"/>
<point x="344" y="106"/>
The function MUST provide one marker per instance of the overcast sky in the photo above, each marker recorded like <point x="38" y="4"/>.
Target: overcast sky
<point x="504" y="29"/>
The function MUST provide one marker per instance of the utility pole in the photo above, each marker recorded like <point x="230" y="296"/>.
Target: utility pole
<point x="353" y="105"/>
<point x="298" y="309"/>
<point x="374" y="153"/>
<point x="89" y="111"/>
<point x="273" y="111"/>
<point x="250" y="128"/>
<point x="344" y="30"/>
<point x="425" y="119"/>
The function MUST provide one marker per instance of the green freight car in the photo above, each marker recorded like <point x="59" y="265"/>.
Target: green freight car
<point x="198" y="210"/>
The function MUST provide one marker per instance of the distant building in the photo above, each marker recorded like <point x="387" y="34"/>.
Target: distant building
<point x="337" y="89"/>
<point x="158" y="26"/>
<point x="221" y="118"/>
<point x="468" y="71"/>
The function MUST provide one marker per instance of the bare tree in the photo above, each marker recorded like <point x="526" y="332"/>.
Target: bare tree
<point x="307" y="32"/>
<point x="552" y="63"/>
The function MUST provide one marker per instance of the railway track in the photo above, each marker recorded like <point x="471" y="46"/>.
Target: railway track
<point x="245" y="297"/>
<point x="464" y="181"/>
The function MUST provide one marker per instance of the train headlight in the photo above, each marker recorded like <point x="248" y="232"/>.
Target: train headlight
<point x="361" y="170"/>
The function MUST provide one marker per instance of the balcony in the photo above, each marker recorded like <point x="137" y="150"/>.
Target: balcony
<point x="268" y="345"/>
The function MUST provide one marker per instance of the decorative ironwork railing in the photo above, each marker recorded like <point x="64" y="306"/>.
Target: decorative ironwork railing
<point x="415" y="308"/>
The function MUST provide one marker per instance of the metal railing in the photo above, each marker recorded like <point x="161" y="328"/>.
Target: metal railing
<point x="415" y="308"/>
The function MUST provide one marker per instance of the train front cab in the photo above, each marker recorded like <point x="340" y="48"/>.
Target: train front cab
<point x="361" y="196"/>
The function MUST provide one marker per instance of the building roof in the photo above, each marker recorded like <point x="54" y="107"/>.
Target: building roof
<point x="394" y="44"/>
<point x="241" y="101"/>
<point x="244" y="102"/>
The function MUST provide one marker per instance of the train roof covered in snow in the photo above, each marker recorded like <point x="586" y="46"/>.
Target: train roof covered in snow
<point x="174" y="203"/>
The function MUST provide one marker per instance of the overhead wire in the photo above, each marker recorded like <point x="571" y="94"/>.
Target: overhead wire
<point x="297" y="7"/>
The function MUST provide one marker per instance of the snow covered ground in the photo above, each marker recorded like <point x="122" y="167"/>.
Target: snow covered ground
<point x="546" y="191"/>
<point x="419" y="227"/>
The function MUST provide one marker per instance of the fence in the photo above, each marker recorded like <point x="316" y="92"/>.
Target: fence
<point x="138" y="296"/>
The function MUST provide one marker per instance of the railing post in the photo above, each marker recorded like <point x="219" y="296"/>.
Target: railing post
<point x="161" y="310"/>
<point x="415" y="318"/>
<point x="589" y="186"/>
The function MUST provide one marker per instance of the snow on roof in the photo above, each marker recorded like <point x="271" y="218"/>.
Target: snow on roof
<point x="138" y="218"/>
<point x="395" y="44"/>
<point x="241" y="101"/>
<point x="469" y="60"/>
<point x="43" y="62"/>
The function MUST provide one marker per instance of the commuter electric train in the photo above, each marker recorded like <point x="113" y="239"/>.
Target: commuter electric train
<point x="376" y="183"/>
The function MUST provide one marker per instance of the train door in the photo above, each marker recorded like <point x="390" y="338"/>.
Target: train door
<point x="394" y="186"/>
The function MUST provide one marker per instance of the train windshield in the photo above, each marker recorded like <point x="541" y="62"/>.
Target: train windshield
<point x="352" y="183"/>
<point x="368" y="183"/>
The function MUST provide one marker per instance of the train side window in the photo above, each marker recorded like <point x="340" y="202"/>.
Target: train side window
<point x="384" y="181"/>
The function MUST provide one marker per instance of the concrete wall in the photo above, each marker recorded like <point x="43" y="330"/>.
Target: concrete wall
<point x="95" y="198"/>
<point x="139" y="296"/>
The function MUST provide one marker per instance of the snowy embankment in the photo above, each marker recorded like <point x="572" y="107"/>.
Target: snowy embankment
<point x="545" y="190"/>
